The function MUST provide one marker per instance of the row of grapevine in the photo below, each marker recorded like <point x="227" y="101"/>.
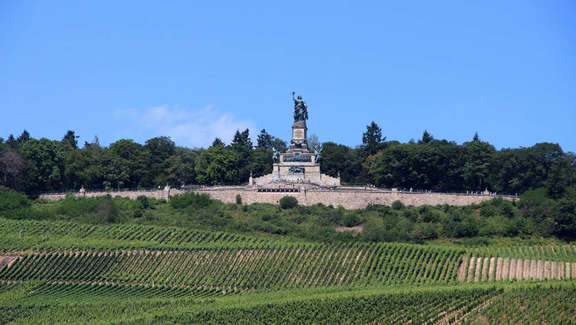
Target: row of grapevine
<point x="399" y="308"/>
<point x="128" y="233"/>
<point x="80" y="314"/>
<point x="540" y="305"/>
<point x="246" y="268"/>
<point x="82" y="292"/>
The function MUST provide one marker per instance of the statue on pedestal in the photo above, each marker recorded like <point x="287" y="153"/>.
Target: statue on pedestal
<point x="317" y="154"/>
<point x="300" y="108"/>
<point x="275" y="155"/>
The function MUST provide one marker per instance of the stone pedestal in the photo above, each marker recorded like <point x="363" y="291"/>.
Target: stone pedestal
<point x="299" y="133"/>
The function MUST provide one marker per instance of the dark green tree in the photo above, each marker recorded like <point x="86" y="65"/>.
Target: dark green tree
<point x="279" y="144"/>
<point x="340" y="159"/>
<point x="11" y="142"/>
<point x="25" y="136"/>
<point x="12" y="170"/>
<point x="565" y="218"/>
<point x="264" y="140"/>
<point x="47" y="162"/>
<point x="181" y="167"/>
<point x="159" y="150"/>
<point x="217" y="165"/>
<point x="261" y="161"/>
<point x="476" y="169"/>
<point x="218" y="142"/>
<point x="426" y="138"/>
<point x="133" y="158"/>
<point x="476" y="138"/>
<point x="242" y="145"/>
<point x="70" y="139"/>
<point x="372" y="139"/>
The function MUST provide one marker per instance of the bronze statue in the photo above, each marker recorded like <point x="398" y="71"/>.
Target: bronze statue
<point x="275" y="155"/>
<point x="300" y="109"/>
<point x="317" y="154"/>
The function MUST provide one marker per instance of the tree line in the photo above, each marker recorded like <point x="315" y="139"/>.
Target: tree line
<point x="42" y="165"/>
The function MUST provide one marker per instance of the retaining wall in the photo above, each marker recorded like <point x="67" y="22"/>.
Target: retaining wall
<point x="347" y="198"/>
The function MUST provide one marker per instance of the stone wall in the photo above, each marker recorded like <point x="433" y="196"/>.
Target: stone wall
<point x="349" y="197"/>
<point x="160" y="194"/>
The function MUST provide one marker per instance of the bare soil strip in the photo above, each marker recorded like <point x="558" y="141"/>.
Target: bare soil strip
<point x="462" y="269"/>
<point x="499" y="266"/>
<point x="7" y="259"/>
<point x="512" y="270"/>
<point x="474" y="269"/>
<point x="471" y="269"/>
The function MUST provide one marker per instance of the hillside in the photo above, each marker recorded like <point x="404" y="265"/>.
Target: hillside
<point x="137" y="274"/>
<point x="194" y="260"/>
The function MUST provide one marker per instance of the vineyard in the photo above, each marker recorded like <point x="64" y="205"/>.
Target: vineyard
<point x="418" y="308"/>
<point x="243" y="269"/>
<point x="25" y="234"/>
<point x="480" y="304"/>
<point x="70" y="273"/>
<point x="539" y="305"/>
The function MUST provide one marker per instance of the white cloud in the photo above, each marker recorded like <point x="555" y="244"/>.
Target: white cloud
<point x="193" y="128"/>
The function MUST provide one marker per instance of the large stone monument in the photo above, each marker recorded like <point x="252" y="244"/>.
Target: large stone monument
<point x="298" y="165"/>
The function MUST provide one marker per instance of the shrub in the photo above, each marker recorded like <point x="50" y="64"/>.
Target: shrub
<point x="288" y="202"/>
<point x="77" y="207"/>
<point x="565" y="219"/>
<point x="238" y="199"/>
<point x="397" y="205"/>
<point x="107" y="210"/>
<point x="190" y="199"/>
<point x="144" y="201"/>
<point x="138" y="213"/>
<point x="13" y="200"/>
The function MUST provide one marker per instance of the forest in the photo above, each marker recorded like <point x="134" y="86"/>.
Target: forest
<point x="35" y="166"/>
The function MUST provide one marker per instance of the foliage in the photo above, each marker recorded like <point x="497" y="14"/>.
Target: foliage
<point x="217" y="165"/>
<point x="106" y="210"/>
<point x="13" y="200"/>
<point x="288" y="202"/>
<point x="565" y="218"/>
<point x="540" y="305"/>
<point x="263" y="267"/>
<point x="34" y="166"/>
<point x="397" y="205"/>
<point x="190" y="199"/>
<point x="372" y="138"/>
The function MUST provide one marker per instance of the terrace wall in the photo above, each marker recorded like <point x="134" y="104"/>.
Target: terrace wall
<point x="349" y="198"/>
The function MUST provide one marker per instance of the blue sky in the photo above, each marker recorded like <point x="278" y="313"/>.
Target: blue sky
<point x="194" y="70"/>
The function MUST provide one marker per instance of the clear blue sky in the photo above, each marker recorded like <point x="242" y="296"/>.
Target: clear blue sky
<point x="194" y="70"/>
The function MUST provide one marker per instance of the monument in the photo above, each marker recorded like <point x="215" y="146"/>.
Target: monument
<point x="298" y="165"/>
